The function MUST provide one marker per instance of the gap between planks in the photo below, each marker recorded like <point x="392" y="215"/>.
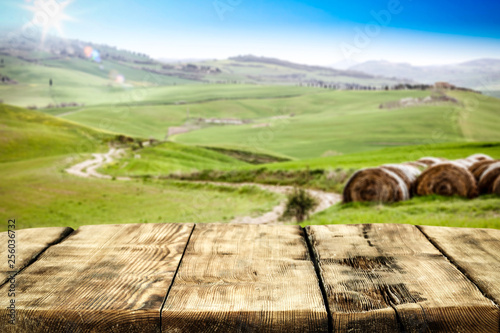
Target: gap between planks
<point x="314" y="259"/>
<point x="454" y="263"/>
<point x="65" y="234"/>
<point x="175" y="275"/>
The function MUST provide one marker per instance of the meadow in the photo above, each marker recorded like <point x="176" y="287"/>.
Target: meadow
<point x="37" y="192"/>
<point x="315" y="138"/>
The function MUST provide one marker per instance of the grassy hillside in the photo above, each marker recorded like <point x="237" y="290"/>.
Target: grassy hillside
<point x="479" y="118"/>
<point x="171" y="157"/>
<point x="256" y="103"/>
<point x="36" y="148"/>
<point x="37" y="193"/>
<point x="331" y="173"/>
<point x="268" y="70"/>
<point x="342" y="122"/>
<point x="392" y="155"/>
<point x="326" y="173"/>
<point x="27" y="134"/>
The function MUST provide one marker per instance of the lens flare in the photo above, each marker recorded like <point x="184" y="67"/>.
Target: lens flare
<point x="96" y="56"/>
<point x="92" y="53"/>
<point x="116" y="77"/>
<point x="88" y="51"/>
<point x="120" y="79"/>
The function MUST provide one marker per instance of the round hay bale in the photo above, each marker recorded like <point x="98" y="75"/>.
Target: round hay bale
<point x="407" y="173"/>
<point x="478" y="168"/>
<point x="496" y="186"/>
<point x="479" y="157"/>
<point x="488" y="178"/>
<point x="464" y="162"/>
<point x="430" y="161"/>
<point x="446" y="179"/>
<point x="419" y="165"/>
<point x="376" y="185"/>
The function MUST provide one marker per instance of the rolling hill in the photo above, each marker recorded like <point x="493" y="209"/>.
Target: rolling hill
<point x="28" y="134"/>
<point x="35" y="190"/>
<point x="95" y="69"/>
<point x="342" y="122"/>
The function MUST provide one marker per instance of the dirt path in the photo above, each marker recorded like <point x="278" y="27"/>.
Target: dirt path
<point x="326" y="200"/>
<point x="88" y="169"/>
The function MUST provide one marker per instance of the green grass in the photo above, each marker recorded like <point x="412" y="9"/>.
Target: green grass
<point x="130" y="73"/>
<point x="300" y="123"/>
<point x="27" y="134"/>
<point x="170" y="157"/>
<point x="483" y="212"/>
<point x="37" y="193"/>
<point x="392" y="155"/>
<point x="237" y="101"/>
<point x="341" y="122"/>
<point x="182" y="162"/>
<point x="479" y="118"/>
<point x="84" y="82"/>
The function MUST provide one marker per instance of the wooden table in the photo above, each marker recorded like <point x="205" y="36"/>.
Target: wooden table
<point x="251" y="278"/>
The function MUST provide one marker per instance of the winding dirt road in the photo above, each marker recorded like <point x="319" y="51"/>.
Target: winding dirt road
<point x="88" y="169"/>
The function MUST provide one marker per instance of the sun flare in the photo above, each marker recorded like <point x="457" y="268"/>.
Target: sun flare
<point x="48" y="15"/>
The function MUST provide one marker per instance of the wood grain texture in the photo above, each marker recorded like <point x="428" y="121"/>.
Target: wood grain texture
<point x="107" y="278"/>
<point x="29" y="243"/>
<point x="389" y="278"/>
<point x="245" y="278"/>
<point x="475" y="251"/>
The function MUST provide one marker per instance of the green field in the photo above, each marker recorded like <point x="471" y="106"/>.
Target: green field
<point x="28" y="134"/>
<point x="325" y="134"/>
<point x="317" y="123"/>
<point x="35" y="190"/>
<point x="392" y="155"/>
<point x="37" y="193"/>
<point x="482" y="212"/>
<point x="168" y="158"/>
<point x="345" y="122"/>
<point x="330" y="174"/>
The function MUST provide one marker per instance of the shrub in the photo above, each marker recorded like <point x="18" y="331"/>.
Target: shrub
<point x="299" y="204"/>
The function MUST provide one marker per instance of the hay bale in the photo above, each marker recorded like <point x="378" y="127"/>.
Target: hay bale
<point x="376" y="185"/>
<point x="496" y="187"/>
<point x="407" y="173"/>
<point x="430" y="161"/>
<point x="478" y="168"/>
<point x="419" y="165"/>
<point x="464" y="162"/>
<point x="479" y="157"/>
<point x="447" y="178"/>
<point x="488" y="178"/>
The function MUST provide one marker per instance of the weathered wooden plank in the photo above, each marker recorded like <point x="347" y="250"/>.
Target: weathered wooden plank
<point x="387" y="278"/>
<point x="27" y="244"/>
<point x="107" y="278"/>
<point x="245" y="278"/>
<point x="475" y="251"/>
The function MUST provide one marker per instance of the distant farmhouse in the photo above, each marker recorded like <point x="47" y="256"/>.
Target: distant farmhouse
<point x="444" y="85"/>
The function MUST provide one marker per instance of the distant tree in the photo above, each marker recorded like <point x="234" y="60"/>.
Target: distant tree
<point x="50" y="82"/>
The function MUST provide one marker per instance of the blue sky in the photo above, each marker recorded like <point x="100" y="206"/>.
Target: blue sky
<point x="314" y="32"/>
